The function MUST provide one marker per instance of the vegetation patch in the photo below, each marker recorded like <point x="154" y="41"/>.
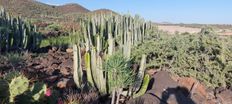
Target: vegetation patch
<point x="203" y="56"/>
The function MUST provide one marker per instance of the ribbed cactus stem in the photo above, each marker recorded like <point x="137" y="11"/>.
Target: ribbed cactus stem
<point x="140" y="74"/>
<point x="100" y="72"/>
<point x="144" y="86"/>
<point x="14" y="36"/>
<point x="111" y="46"/>
<point x="88" y="68"/>
<point x="77" y="74"/>
<point x="99" y="44"/>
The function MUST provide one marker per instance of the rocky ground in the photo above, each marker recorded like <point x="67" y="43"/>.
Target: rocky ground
<point x="166" y="89"/>
<point x="54" y="67"/>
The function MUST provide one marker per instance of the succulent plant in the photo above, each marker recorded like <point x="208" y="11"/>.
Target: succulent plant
<point x="143" y="87"/>
<point x="38" y="90"/>
<point x="17" y="34"/>
<point x="18" y="86"/>
<point x="15" y="87"/>
<point x="4" y="89"/>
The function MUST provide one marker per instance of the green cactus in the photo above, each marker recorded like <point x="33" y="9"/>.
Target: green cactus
<point x="18" y="34"/>
<point x="18" y="86"/>
<point x="103" y="36"/>
<point x="38" y="90"/>
<point x="77" y="74"/>
<point x="88" y="68"/>
<point x="144" y="86"/>
<point x="9" y="76"/>
<point x="140" y="74"/>
<point x="4" y="89"/>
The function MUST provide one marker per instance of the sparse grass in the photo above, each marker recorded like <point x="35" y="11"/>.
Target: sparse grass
<point x="14" y="57"/>
<point x="61" y="41"/>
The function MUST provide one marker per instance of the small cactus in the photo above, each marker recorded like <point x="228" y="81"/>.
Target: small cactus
<point x="144" y="86"/>
<point x="38" y="90"/>
<point x="4" y="89"/>
<point x="18" y="86"/>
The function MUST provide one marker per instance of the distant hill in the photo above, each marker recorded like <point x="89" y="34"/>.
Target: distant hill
<point x="103" y="11"/>
<point x="35" y="9"/>
<point x="28" y="8"/>
<point x="72" y="8"/>
<point x="43" y="14"/>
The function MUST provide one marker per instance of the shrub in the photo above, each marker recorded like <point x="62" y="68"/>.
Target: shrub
<point x="203" y="56"/>
<point x="61" y="41"/>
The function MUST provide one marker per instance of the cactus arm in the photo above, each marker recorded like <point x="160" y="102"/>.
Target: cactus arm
<point x="88" y="68"/>
<point x="38" y="90"/>
<point x="144" y="86"/>
<point x="77" y="74"/>
<point x="140" y="74"/>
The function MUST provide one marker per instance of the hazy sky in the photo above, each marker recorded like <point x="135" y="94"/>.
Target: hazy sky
<point x="176" y="11"/>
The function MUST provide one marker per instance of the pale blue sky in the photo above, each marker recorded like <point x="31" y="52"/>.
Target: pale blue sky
<point x="176" y="11"/>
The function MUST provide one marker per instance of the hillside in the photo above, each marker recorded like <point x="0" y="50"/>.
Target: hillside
<point x="103" y="11"/>
<point x="71" y="8"/>
<point x="36" y="10"/>
<point x="28" y="8"/>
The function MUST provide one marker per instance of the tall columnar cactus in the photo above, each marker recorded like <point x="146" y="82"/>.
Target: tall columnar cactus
<point x="140" y="74"/>
<point x="102" y="36"/>
<point x="17" y="34"/>
<point x="77" y="74"/>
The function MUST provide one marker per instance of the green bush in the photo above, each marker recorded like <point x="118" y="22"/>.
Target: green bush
<point x="61" y="41"/>
<point x="203" y="56"/>
<point x="54" y="27"/>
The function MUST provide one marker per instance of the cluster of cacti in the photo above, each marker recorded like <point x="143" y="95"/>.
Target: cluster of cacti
<point x="16" y="88"/>
<point x="16" y="33"/>
<point x="203" y="56"/>
<point x="119" y="74"/>
<point x="99" y="38"/>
